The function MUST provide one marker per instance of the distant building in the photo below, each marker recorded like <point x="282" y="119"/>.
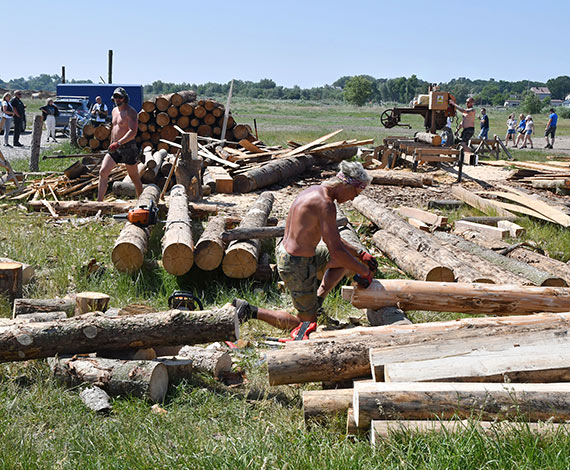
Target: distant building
<point x="556" y="102"/>
<point x="541" y="91"/>
<point x="567" y="97"/>
<point x="511" y="103"/>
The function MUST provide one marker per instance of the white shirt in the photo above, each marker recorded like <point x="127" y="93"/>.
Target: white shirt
<point x="96" y="107"/>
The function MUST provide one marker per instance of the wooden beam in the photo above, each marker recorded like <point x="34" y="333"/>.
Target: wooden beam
<point x="314" y="143"/>
<point x="484" y="205"/>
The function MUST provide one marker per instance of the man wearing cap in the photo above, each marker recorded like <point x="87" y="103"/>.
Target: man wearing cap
<point x="99" y="110"/>
<point x="550" y="129"/>
<point x="123" y="148"/>
<point x="19" y="109"/>
<point x="468" y="121"/>
<point x="312" y="218"/>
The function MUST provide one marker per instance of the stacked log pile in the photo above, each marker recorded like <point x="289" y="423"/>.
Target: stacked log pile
<point x="95" y="136"/>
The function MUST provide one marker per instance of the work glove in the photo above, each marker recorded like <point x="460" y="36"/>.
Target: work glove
<point x="114" y="146"/>
<point x="369" y="260"/>
<point x="364" y="281"/>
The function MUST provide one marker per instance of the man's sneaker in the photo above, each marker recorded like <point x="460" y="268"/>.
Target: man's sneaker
<point x="244" y="310"/>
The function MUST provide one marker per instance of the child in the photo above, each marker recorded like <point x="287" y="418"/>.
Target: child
<point x="528" y="130"/>
<point x="520" y="129"/>
<point x="511" y="129"/>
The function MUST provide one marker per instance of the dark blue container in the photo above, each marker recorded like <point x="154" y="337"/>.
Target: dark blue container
<point x="104" y="90"/>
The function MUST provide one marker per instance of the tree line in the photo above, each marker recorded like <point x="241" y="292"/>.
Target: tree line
<point x="357" y="90"/>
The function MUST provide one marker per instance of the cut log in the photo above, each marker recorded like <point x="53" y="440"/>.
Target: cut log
<point x="426" y="400"/>
<point x="428" y="138"/>
<point x="544" y="363"/>
<point x="273" y="172"/>
<point x="34" y="317"/>
<point x="344" y="354"/>
<point x="97" y="332"/>
<point x="86" y="302"/>
<point x="142" y="379"/>
<point x="317" y="403"/>
<point x="417" y="240"/>
<point x="182" y="96"/>
<point x="240" y="260"/>
<point x="417" y="264"/>
<point x="488" y="299"/>
<point x="209" y="250"/>
<point x="537" y="277"/>
<point x="27" y="270"/>
<point x="558" y="268"/>
<point x="11" y="280"/>
<point x="193" y="359"/>
<point x="25" y="306"/>
<point x="177" y="244"/>
<point x="131" y="245"/>
<point x="494" y="233"/>
<point x="96" y="399"/>
<point x="399" y="178"/>
<point x="102" y="132"/>
<point x="452" y="204"/>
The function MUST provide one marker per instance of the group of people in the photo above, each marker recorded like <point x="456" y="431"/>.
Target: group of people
<point x="13" y="112"/>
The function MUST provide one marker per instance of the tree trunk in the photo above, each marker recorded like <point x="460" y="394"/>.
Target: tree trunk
<point x="416" y="239"/>
<point x="36" y="141"/>
<point x="272" y="172"/>
<point x="186" y="109"/>
<point x="428" y="138"/>
<point x="426" y="400"/>
<point x="346" y="354"/>
<point x="142" y="379"/>
<point x="209" y="250"/>
<point x="86" y="302"/>
<point x="11" y="280"/>
<point x="317" y="403"/>
<point x="496" y="299"/>
<point x="399" y="178"/>
<point x="558" y="268"/>
<point x="34" y="317"/>
<point x="182" y="96"/>
<point x="96" y="332"/>
<point x="241" y="257"/>
<point x="177" y="244"/>
<point x="131" y="245"/>
<point x="27" y="270"/>
<point x="537" y="277"/>
<point x="192" y="359"/>
<point x="86" y="207"/>
<point x="25" y="306"/>
<point x="89" y="130"/>
<point x="417" y="264"/>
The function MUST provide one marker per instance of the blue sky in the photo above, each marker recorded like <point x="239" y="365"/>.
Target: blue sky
<point x="306" y="43"/>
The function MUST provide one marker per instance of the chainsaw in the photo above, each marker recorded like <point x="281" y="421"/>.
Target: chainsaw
<point x="301" y="332"/>
<point x="142" y="216"/>
<point x="183" y="300"/>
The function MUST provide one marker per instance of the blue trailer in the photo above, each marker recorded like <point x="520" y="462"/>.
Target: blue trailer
<point x="104" y="90"/>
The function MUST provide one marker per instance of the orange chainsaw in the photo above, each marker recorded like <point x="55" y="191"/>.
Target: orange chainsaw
<point x="141" y="216"/>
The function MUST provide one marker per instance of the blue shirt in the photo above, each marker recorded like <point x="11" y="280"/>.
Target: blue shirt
<point x="554" y="119"/>
<point x="485" y="122"/>
<point x="522" y="125"/>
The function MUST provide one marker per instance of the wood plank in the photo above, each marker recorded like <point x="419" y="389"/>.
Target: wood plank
<point x="424" y="216"/>
<point x="314" y="143"/>
<point x="484" y="205"/>
<point x="418" y="224"/>
<point x="246" y="144"/>
<point x="515" y="230"/>
<point x="487" y="230"/>
<point x="522" y="210"/>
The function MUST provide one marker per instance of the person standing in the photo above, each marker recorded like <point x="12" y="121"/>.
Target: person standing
<point x="511" y="129"/>
<point x="123" y="148"/>
<point x="484" y="134"/>
<point x="8" y="117"/>
<point x="528" y="131"/>
<point x="550" y="129"/>
<point x="521" y="129"/>
<point x="49" y="113"/>
<point x="19" y="109"/>
<point x="468" y="121"/>
<point x="99" y="111"/>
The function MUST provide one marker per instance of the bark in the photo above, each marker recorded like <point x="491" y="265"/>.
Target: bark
<point x="240" y="260"/>
<point x="426" y="400"/>
<point x="132" y="243"/>
<point x="86" y="207"/>
<point x="317" y="403"/>
<point x="86" y="302"/>
<point x="536" y="276"/>
<point x="97" y="332"/>
<point x="417" y="240"/>
<point x="192" y="360"/>
<point x="142" y="379"/>
<point x="11" y="280"/>
<point x="398" y="178"/>
<point x="416" y="264"/>
<point x="345" y="355"/>
<point x="96" y="399"/>
<point x="557" y="268"/>
<point x="177" y="244"/>
<point x="209" y="250"/>
<point x="25" y="306"/>
<point x="27" y="270"/>
<point x="428" y="138"/>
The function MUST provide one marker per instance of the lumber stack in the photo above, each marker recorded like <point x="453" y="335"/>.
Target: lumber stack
<point x="95" y="136"/>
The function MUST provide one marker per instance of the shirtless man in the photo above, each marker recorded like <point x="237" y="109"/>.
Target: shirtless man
<point x="468" y="121"/>
<point x="123" y="148"/>
<point x="312" y="217"/>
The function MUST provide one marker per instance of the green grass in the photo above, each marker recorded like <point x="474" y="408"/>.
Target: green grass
<point x="209" y="425"/>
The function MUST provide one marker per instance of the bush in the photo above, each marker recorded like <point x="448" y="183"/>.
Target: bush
<point x="563" y="112"/>
<point x="531" y="103"/>
<point x="357" y="90"/>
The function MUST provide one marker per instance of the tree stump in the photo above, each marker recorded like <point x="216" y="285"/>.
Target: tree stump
<point x="11" y="280"/>
<point x="86" y="302"/>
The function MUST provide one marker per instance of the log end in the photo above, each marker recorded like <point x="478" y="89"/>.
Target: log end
<point x="177" y="258"/>
<point x="554" y="282"/>
<point x="127" y="257"/>
<point x="239" y="264"/>
<point x="158" y="383"/>
<point x="208" y="256"/>
<point x="440" y="274"/>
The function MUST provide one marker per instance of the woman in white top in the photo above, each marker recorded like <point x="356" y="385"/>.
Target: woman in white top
<point x="511" y="130"/>
<point x="8" y="114"/>
<point x="528" y="131"/>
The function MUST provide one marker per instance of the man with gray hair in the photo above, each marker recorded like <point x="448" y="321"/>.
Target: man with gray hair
<point x="312" y="218"/>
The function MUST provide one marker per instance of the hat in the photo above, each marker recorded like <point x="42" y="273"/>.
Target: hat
<point x="121" y="92"/>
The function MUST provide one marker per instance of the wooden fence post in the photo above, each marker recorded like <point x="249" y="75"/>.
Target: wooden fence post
<point x="36" y="139"/>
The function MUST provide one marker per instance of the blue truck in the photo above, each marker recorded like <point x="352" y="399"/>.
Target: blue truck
<point x="104" y="90"/>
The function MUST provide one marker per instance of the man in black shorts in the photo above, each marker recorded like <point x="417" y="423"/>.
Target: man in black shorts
<point x="123" y="148"/>
<point x="468" y="121"/>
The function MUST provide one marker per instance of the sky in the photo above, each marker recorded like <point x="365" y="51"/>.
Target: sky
<point x="306" y="43"/>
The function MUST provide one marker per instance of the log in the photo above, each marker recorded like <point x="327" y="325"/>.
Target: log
<point x="399" y="178"/>
<point x="186" y="109"/>
<point x="163" y="119"/>
<point x="345" y="354"/>
<point x="426" y="400"/>
<point x="162" y="102"/>
<point x="96" y="399"/>
<point x="537" y="277"/>
<point x="173" y="112"/>
<point x="543" y="363"/>
<point x="149" y="105"/>
<point x="417" y="240"/>
<point x="142" y="379"/>
<point x="240" y="260"/>
<point x="192" y="360"/>
<point x="182" y="96"/>
<point x="86" y="302"/>
<point x="452" y="204"/>
<point x="75" y="170"/>
<point x="557" y="268"/>
<point x="428" y="138"/>
<point x="86" y="208"/>
<point x="273" y="172"/>
<point x="27" y="270"/>
<point x="26" y="306"/>
<point x="317" y="403"/>
<point x="102" y="132"/>
<point x="417" y="264"/>
<point x="97" y="332"/>
<point x="132" y="243"/>
<point x="549" y="184"/>
<point x="209" y="250"/>
<point x="89" y="129"/>
<point x="177" y="244"/>
<point x="11" y="280"/>
<point x="34" y="317"/>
